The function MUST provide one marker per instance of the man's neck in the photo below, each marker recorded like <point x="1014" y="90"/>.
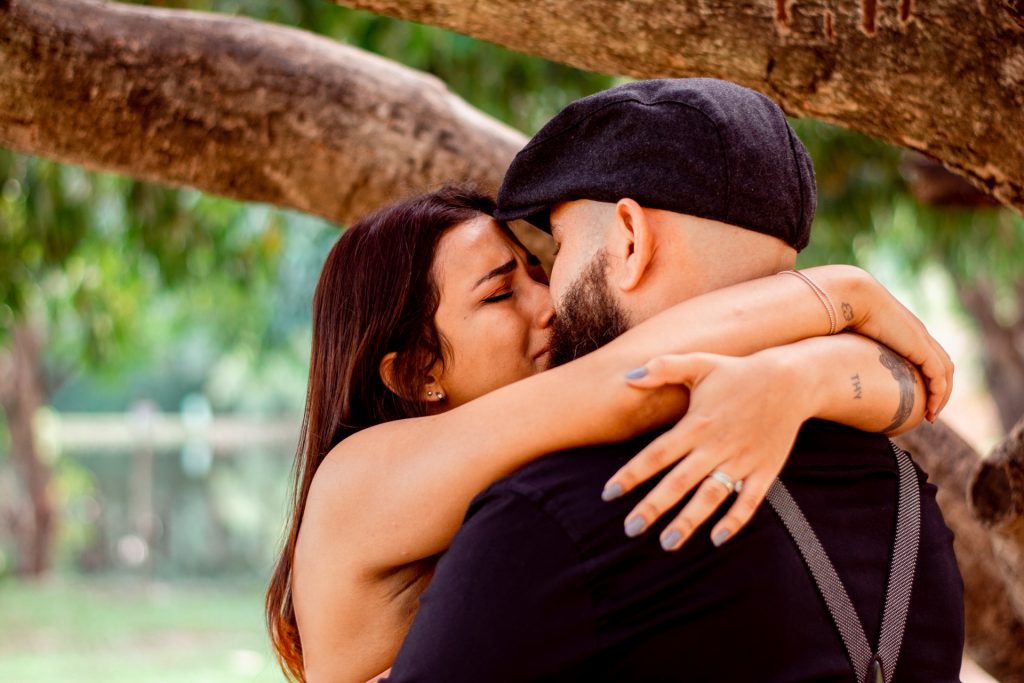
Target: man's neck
<point x="685" y="283"/>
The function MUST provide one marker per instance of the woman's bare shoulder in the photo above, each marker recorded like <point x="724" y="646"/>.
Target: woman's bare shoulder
<point x="349" y="471"/>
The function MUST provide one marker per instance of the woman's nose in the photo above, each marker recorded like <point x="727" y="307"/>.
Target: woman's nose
<point x="548" y="315"/>
<point x="545" y="306"/>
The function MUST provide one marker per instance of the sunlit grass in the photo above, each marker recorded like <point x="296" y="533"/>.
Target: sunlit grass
<point x="113" y="632"/>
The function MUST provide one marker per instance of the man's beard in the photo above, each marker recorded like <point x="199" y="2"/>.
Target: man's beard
<point x="589" y="317"/>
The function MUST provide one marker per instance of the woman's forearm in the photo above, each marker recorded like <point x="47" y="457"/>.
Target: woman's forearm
<point x="749" y="316"/>
<point x="855" y="381"/>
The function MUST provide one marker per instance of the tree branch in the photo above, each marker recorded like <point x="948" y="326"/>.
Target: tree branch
<point x="234" y="107"/>
<point x="997" y="501"/>
<point x="945" y="77"/>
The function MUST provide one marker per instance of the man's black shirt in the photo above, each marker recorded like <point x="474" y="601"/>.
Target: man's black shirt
<point x="541" y="583"/>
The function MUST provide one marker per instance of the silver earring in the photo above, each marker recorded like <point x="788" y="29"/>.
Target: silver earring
<point x="430" y="393"/>
<point x="440" y="396"/>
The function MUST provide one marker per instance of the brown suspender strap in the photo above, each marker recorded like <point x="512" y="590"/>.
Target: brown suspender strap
<point x="868" y="665"/>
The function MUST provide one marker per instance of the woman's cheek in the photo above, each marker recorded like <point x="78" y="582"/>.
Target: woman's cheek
<point x="504" y="349"/>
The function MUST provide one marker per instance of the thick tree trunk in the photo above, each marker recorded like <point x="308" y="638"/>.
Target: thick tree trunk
<point x="944" y="77"/>
<point x="995" y="629"/>
<point x="997" y="500"/>
<point x="234" y="107"/>
<point x="20" y="398"/>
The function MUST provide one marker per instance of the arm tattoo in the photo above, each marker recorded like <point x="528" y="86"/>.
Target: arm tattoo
<point x="847" y="312"/>
<point x="856" y="386"/>
<point x="903" y="373"/>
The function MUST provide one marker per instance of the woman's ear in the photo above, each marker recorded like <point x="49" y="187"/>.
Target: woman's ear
<point x="430" y="391"/>
<point x="387" y="373"/>
<point x="636" y="243"/>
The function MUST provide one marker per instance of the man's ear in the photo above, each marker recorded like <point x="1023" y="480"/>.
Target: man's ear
<point x="636" y="243"/>
<point x="430" y="391"/>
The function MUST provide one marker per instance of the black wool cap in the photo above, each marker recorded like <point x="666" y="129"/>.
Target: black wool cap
<point x="697" y="146"/>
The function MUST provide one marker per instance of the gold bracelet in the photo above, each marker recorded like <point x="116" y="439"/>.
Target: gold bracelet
<point x="823" y="297"/>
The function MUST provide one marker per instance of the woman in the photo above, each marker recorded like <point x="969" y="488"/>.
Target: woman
<point x="430" y="335"/>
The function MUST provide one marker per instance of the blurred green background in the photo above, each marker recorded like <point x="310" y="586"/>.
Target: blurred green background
<point x="167" y="334"/>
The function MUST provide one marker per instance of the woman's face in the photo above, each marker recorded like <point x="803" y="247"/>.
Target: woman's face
<point x="494" y="310"/>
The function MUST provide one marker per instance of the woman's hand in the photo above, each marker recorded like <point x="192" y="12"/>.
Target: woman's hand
<point x="743" y="419"/>
<point x="863" y="305"/>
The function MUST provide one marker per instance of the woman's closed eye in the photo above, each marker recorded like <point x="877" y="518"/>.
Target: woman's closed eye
<point x="498" y="297"/>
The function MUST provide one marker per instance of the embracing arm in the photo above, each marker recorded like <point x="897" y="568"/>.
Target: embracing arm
<point x="860" y="383"/>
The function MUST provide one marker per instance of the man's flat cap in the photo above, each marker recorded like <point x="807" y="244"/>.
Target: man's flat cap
<point x="697" y="146"/>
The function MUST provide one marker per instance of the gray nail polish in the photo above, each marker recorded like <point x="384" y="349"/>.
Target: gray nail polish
<point x="636" y="373"/>
<point x="720" y="537"/>
<point x="635" y="526"/>
<point x="611" y="492"/>
<point x="669" y="542"/>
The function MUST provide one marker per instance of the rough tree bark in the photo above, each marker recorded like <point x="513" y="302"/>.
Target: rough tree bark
<point x="234" y="107"/>
<point x="997" y="500"/>
<point x="944" y="77"/>
<point x="21" y="396"/>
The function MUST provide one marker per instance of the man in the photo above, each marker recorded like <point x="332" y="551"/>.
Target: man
<point x="658" y="191"/>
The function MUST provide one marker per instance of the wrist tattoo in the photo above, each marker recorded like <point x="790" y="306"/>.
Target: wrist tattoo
<point x="847" y="312"/>
<point x="903" y="373"/>
<point x="856" y="386"/>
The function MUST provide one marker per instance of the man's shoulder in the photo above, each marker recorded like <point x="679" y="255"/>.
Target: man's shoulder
<point x="569" y="471"/>
<point x="564" y="486"/>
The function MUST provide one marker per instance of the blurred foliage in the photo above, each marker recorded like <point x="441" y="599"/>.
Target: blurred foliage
<point x="865" y="204"/>
<point x="89" y="260"/>
<point x="867" y="215"/>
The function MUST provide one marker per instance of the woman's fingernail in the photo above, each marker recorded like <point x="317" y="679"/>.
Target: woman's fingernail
<point x="670" y="540"/>
<point x="611" y="492"/>
<point x="635" y="526"/>
<point x="720" y="537"/>
<point x="636" y="373"/>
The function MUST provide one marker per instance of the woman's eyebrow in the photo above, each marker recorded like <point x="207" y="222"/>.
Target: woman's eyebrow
<point x="503" y="269"/>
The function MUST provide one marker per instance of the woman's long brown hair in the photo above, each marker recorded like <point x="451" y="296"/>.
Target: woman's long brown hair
<point x="375" y="295"/>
